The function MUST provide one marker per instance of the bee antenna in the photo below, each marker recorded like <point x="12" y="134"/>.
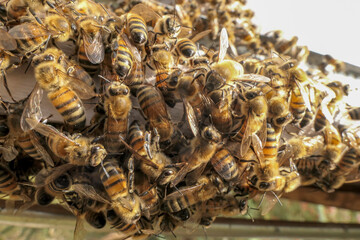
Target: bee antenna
<point x="277" y="198"/>
<point x="252" y="219"/>
<point x="102" y="6"/>
<point x="104" y="78"/>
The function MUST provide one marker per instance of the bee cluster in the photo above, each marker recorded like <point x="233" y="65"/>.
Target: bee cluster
<point x="226" y="113"/>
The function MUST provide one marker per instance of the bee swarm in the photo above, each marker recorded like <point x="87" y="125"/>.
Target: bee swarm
<point x="193" y="113"/>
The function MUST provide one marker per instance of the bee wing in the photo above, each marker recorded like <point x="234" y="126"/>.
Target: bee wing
<point x="353" y="176"/>
<point x="263" y="133"/>
<point x="224" y="44"/>
<point x="269" y="201"/>
<point x="200" y="35"/>
<point x="147" y="144"/>
<point x="89" y="191"/>
<point x="40" y="149"/>
<point x="83" y="90"/>
<point x="180" y="175"/>
<point x="146" y="13"/>
<point x="138" y="156"/>
<point x="49" y="131"/>
<point x="46" y="176"/>
<point x="182" y="191"/>
<point x="304" y="94"/>
<point x="27" y="30"/>
<point x="252" y="78"/>
<point x="7" y="42"/>
<point x="32" y="108"/>
<point x="258" y="147"/>
<point x="246" y="139"/>
<point x="135" y="52"/>
<point x="191" y="117"/>
<point x="94" y="48"/>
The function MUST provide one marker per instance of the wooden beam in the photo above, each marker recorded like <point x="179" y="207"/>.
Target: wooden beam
<point x="339" y="198"/>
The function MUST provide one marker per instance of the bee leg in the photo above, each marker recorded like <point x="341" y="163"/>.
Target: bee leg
<point x="6" y="85"/>
<point x="131" y="168"/>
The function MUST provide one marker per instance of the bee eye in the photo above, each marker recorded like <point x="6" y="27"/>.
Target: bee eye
<point x="251" y="95"/>
<point x="94" y="150"/>
<point x="168" y="173"/>
<point x="264" y="185"/>
<point x="280" y="120"/>
<point x="126" y="91"/>
<point x="49" y="58"/>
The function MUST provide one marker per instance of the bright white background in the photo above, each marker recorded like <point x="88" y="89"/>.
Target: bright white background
<point x="325" y="26"/>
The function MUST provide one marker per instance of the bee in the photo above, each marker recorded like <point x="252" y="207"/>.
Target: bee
<point x="158" y="167"/>
<point x="189" y="89"/>
<point x="354" y="113"/>
<point x="268" y="176"/>
<point x="220" y="108"/>
<point x="201" y="149"/>
<point x="91" y="49"/>
<point x="186" y="48"/>
<point x="250" y="109"/>
<point x="337" y="177"/>
<point x="305" y="154"/>
<point x="331" y="65"/>
<point x="117" y="105"/>
<point x="279" y="113"/>
<point x="8" y="180"/>
<point x="90" y="8"/>
<point x="51" y="76"/>
<point x="77" y="149"/>
<point x="163" y="61"/>
<point x="228" y="71"/>
<point x="335" y="91"/>
<point x="126" y="229"/>
<point x="124" y="55"/>
<point x="154" y="109"/>
<point x="136" y="26"/>
<point x="16" y="9"/>
<point x="114" y="180"/>
<point x="150" y="198"/>
<point x="178" y="201"/>
<point x="28" y="141"/>
<point x="55" y="187"/>
<point x="224" y="206"/>
<point x="31" y="36"/>
<point x="225" y="165"/>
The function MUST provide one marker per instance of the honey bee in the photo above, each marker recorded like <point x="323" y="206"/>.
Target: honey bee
<point x="225" y="165"/>
<point x="305" y="154"/>
<point x="224" y="206"/>
<point x="126" y="229"/>
<point x="77" y="149"/>
<point x="337" y="177"/>
<point x="125" y="204"/>
<point x="354" y="113"/>
<point x="154" y="109"/>
<point x="251" y="110"/>
<point x="117" y="105"/>
<point x="189" y="89"/>
<point x="90" y="8"/>
<point x="51" y="76"/>
<point x="28" y="141"/>
<point x="201" y="149"/>
<point x="220" y="109"/>
<point x="331" y="65"/>
<point x="136" y="77"/>
<point x="268" y="176"/>
<point x="54" y="187"/>
<point x="8" y="180"/>
<point x="228" y="71"/>
<point x="136" y="26"/>
<point x="155" y="164"/>
<point x="124" y="55"/>
<point x="176" y="202"/>
<point x="150" y="198"/>
<point x="16" y="9"/>
<point x="91" y="49"/>
<point x="31" y="36"/>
